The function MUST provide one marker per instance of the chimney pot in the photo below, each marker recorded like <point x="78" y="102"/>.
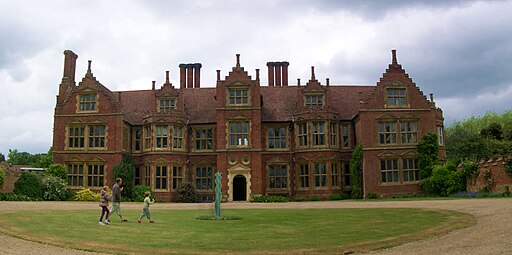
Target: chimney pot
<point x="313" y="73"/>
<point x="284" y="66"/>
<point x="257" y="74"/>
<point x="166" y="77"/>
<point x="153" y="85"/>
<point x="432" y="97"/>
<point x="237" y="60"/>
<point x="270" y="66"/>
<point x="89" y="67"/>
<point x="197" y="75"/>
<point x="393" y="53"/>
<point x="298" y="82"/>
<point x="183" y="76"/>
<point x="327" y="81"/>
<point x="218" y="75"/>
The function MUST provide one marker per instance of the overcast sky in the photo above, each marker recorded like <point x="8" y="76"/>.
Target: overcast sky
<point x="459" y="50"/>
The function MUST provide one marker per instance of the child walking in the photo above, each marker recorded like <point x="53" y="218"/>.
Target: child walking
<point x="104" y="206"/>
<point x="145" y="210"/>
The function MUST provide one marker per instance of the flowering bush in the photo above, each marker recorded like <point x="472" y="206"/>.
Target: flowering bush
<point x="54" y="188"/>
<point x="86" y="195"/>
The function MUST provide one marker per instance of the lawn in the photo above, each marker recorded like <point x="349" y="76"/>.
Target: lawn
<point x="258" y="231"/>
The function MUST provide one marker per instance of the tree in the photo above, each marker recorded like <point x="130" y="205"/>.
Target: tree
<point x="19" y="158"/>
<point x="57" y="170"/>
<point x="356" y="172"/>
<point x="43" y="160"/>
<point x="2" y="176"/>
<point x="29" y="185"/>
<point x="2" y="157"/>
<point x="428" y="154"/>
<point x="126" y="170"/>
<point x="186" y="193"/>
<point x="493" y="131"/>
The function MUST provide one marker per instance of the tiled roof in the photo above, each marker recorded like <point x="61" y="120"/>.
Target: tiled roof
<point x="200" y="105"/>
<point x="279" y="102"/>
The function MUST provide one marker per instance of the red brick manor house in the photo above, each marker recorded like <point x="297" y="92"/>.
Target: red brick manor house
<point x="274" y="139"/>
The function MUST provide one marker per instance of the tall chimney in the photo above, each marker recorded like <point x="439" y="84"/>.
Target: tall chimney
<point x="285" y="73"/>
<point x="197" y="75"/>
<point x="218" y="75"/>
<point x="270" y="73"/>
<point x="298" y="81"/>
<point x="393" y="53"/>
<point x="70" y="65"/>
<point x="153" y="85"/>
<point x="257" y="74"/>
<point x="190" y="76"/>
<point x="183" y="76"/>
<point x="278" y="74"/>
<point x="327" y="81"/>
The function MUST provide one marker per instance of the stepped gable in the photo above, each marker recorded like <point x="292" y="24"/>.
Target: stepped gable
<point x="395" y="76"/>
<point x="200" y="105"/>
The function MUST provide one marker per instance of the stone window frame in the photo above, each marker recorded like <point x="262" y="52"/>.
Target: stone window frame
<point x="163" y="138"/>
<point x="440" y="135"/>
<point x="207" y="179"/>
<point x="315" y="136"/>
<point x="281" y="163"/>
<point x="396" y="86"/>
<point x="95" y="103"/>
<point x="345" y="137"/>
<point x="86" y="176"/>
<point x="147" y="134"/>
<point x="333" y="133"/>
<point x="405" y="134"/>
<point x="75" y="175"/>
<point x="314" y="174"/>
<point x="415" y="171"/>
<point x="137" y="175"/>
<point x="147" y="180"/>
<point x="346" y="174"/>
<point x="228" y="133"/>
<point x="302" y="177"/>
<point x="335" y="174"/>
<point x="389" y="164"/>
<point x="279" y="138"/>
<point x="238" y="86"/>
<point x="177" y="174"/>
<point x="302" y="137"/>
<point x="179" y="142"/>
<point x="160" y="178"/>
<point x="166" y="108"/>
<point x="87" y="137"/>
<point x="138" y="141"/>
<point x="384" y="133"/>
<point x="195" y="139"/>
<point x="314" y="95"/>
<point x="73" y="137"/>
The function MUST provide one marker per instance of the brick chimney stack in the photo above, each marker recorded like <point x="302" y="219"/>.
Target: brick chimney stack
<point x="278" y="73"/>
<point x="393" y="53"/>
<point x="70" y="65"/>
<point x="190" y="75"/>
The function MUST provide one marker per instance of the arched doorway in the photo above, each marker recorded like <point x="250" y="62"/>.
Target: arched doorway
<point x="239" y="188"/>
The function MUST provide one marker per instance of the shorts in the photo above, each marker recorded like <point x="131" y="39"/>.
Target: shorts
<point x="145" y="212"/>
<point x="116" y="208"/>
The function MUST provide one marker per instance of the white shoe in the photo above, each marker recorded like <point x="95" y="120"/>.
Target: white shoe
<point x="106" y="222"/>
<point x="101" y="223"/>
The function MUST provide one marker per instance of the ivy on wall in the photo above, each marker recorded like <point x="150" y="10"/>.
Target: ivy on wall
<point x="356" y="172"/>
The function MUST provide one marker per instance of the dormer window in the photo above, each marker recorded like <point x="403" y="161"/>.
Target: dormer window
<point x="167" y="105"/>
<point x="314" y="101"/>
<point x="238" y="96"/>
<point x="87" y="103"/>
<point x="396" y="97"/>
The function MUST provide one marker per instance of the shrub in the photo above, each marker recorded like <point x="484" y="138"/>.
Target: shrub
<point x="57" y="170"/>
<point x="356" y="173"/>
<point x="300" y="198"/>
<point x="86" y="195"/>
<point x="138" y="193"/>
<point x="2" y="176"/>
<point x="29" y="185"/>
<point x="314" y="198"/>
<point x="15" y="197"/>
<point x="444" y="181"/>
<point x="341" y="196"/>
<point x="186" y="193"/>
<point x="54" y="188"/>
<point x="126" y="171"/>
<point x="270" y="199"/>
<point x="372" y="195"/>
<point x="428" y="154"/>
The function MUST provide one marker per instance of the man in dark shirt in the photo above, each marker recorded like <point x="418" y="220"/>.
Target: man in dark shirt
<point x="116" y="198"/>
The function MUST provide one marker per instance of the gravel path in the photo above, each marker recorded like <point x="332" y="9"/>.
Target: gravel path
<point x="491" y="234"/>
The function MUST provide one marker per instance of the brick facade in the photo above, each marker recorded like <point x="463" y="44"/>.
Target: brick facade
<point x="491" y="175"/>
<point x="277" y="139"/>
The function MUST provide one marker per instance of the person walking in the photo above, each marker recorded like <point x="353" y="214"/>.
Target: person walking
<point x="104" y="206"/>
<point x="145" y="209"/>
<point x="116" y="199"/>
